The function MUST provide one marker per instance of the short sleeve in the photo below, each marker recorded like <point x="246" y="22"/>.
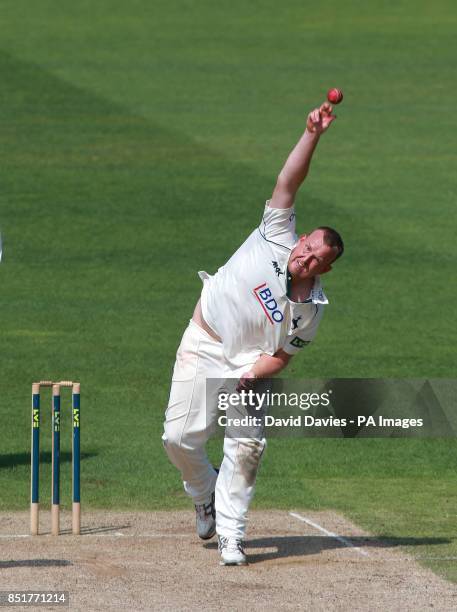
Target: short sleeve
<point x="278" y="225"/>
<point x="295" y="342"/>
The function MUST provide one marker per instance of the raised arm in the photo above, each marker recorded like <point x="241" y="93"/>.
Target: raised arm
<point x="297" y="165"/>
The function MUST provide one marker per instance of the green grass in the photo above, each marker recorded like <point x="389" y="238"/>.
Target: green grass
<point x="138" y="143"/>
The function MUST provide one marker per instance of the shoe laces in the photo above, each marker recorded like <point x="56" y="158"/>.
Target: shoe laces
<point x="231" y="544"/>
<point x="205" y="510"/>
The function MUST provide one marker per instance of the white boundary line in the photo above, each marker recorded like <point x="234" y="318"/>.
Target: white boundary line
<point x="330" y="534"/>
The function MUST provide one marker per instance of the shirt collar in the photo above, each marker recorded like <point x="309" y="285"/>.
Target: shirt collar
<point x="317" y="292"/>
<point x="316" y="296"/>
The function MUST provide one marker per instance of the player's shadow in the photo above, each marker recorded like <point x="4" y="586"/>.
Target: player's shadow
<point x="300" y="546"/>
<point x="12" y="460"/>
<point x="35" y="563"/>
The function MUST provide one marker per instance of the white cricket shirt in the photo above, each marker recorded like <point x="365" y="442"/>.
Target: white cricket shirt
<point x="246" y="302"/>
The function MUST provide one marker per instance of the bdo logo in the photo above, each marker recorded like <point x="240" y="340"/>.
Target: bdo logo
<point x="268" y="303"/>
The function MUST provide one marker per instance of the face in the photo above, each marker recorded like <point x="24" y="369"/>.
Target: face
<point x="311" y="256"/>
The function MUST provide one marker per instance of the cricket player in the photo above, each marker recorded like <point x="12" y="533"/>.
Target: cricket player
<point x="259" y="310"/>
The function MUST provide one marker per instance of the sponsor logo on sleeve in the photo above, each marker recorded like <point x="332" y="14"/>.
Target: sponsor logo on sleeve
<point x="268" y="303"/>
<point x="299" y="343"/>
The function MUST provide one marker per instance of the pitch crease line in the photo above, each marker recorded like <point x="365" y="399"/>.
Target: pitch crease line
<point x="330" y="534"/>
<point x="105" y="535"/>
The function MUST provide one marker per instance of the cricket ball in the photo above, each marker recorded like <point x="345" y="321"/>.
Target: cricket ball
<point x="334" y="96"/>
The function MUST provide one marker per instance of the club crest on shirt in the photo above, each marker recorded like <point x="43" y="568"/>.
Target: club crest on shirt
<point x="268" y="303"/>
<point x="295" y="322"/>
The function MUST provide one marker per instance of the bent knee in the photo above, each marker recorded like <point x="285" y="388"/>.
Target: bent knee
<point x="251" y="448"/>
<point x="177" y="437"/>
<point x="172" y="436"/>
<point x="248" y="456"/>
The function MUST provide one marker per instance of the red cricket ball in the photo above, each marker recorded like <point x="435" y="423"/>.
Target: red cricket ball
<point x="334" y="96"/>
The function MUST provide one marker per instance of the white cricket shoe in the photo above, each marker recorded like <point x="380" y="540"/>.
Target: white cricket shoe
<point x="206" y="519"/>
<point x="232" y="552"/>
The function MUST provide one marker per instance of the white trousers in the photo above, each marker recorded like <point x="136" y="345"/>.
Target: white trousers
<point x="190" y="420"/>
